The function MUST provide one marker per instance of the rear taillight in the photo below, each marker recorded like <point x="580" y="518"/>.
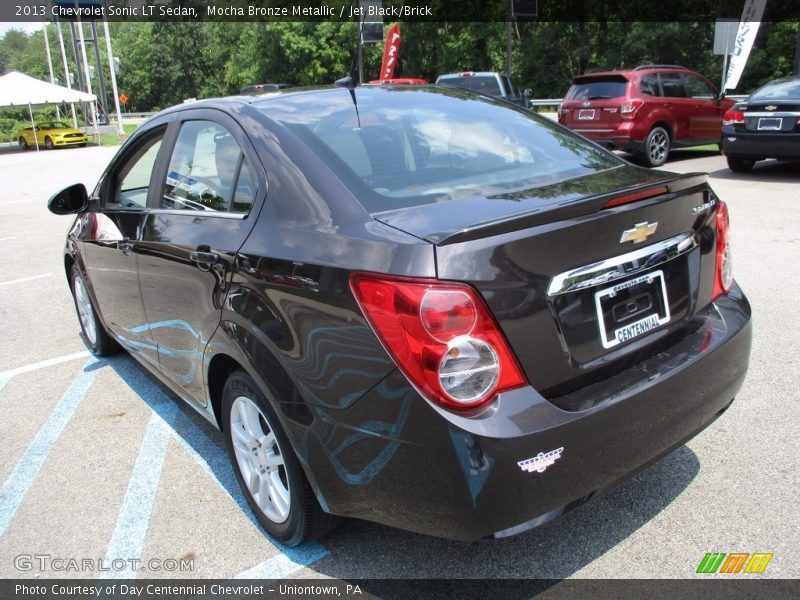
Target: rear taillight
<point x="733" y="117"/>
<point x="442" y="337"/>
<point x="723" y="278"/>
<point x="629" y="107"/>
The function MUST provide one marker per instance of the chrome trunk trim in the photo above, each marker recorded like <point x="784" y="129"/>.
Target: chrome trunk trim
<point x="622" y="266"/>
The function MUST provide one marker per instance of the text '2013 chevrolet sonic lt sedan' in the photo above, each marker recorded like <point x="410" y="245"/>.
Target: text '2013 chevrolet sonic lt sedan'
<point x="411" y="305"/>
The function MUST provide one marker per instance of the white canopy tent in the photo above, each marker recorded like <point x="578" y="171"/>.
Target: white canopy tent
<point x="18" y="89"/>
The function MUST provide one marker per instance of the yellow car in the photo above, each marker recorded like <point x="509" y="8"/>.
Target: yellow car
<point x="51" y="134"/>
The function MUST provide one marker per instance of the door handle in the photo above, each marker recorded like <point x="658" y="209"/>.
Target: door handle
<point x="126" y="247"/>
<point x="205" y="258"/>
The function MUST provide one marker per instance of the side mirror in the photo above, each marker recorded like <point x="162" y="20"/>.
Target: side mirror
<point x="70" y="200"/>
<point x="528" y="92"/>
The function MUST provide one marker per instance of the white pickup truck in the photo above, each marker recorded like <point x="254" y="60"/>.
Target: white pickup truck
<point x="490" y="83"/>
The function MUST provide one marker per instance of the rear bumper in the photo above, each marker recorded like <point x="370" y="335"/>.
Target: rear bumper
<point x="760" y="145"/>
<point x="395" y="459"/>
<point x="624" y="136"/>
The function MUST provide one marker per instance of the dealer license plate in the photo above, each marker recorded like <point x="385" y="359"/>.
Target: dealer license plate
<point x="631" y="308"/>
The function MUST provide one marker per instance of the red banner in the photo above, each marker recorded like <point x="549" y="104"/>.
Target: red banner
<point x="391" y="52"/>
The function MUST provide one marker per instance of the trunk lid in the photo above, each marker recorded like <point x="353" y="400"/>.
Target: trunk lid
<point x="777" y="116"/>
<point x="551" y="265"/>
<point x="593" y="103"/>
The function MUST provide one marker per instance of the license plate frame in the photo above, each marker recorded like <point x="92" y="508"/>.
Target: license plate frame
<point x="586" y="114"/>
<point x="650" y="283"/>
<point x="770" y="123"/>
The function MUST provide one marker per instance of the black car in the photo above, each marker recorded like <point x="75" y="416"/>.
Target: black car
<point x="411" y="305"/>
<point x="765" y="125"/>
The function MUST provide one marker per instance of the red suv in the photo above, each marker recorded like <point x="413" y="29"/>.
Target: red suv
<point x="646" y="110"/>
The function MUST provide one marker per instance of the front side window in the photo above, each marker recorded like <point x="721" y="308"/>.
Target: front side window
<point x="207" y="171"/>
<point x="699" y="88"/>
<point x="133" y="179"/>
<point x="672" y="85"/>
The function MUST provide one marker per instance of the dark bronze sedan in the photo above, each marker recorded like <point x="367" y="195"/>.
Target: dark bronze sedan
<point x="409" y="304"/>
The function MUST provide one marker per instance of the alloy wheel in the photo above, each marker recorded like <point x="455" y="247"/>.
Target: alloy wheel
<point x="658" y="146"/>
<point x="85" y="311"/>
<point x="260" y="459"/>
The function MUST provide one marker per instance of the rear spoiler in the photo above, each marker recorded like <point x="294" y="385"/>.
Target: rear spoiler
<point x="537" y="208"/>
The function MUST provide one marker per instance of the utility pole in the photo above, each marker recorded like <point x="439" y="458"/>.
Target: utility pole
<point x="50" y="65"/>
<point x="66" y="71"/>
<point x="113" y="78"/>
<point x="509" y="33"/>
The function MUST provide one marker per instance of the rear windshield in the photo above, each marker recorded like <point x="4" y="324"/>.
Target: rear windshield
<point x="779" y="90"/>
<point x="407" y="147"/>
<point x="597" y="88"/>
<point x="483" y="84"/>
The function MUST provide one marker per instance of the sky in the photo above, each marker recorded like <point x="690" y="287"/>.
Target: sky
<point x="26" y="27"/>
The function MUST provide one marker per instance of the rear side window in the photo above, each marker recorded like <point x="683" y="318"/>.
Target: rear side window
<point x="597" y="88"/>
<point x="207" y="171"/>
<point x="649" y="85"/>
<point x="508" y="85"/>
<point x="672" y="85"/>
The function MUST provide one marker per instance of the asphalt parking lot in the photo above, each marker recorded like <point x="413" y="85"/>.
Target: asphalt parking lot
<point x="97" y="461"/>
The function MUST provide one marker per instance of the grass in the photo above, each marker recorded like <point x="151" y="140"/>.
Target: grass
<point x="112" y="139"/>
<point x="706" y="148"/>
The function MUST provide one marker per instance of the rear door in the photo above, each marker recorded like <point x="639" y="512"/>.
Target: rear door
<point x="682" y="108"/>
<point x="204" y="210"/>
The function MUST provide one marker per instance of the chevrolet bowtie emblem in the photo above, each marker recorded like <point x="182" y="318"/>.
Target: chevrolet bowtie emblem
<point x="639" y="233"/>
<point x="770" y="107"/>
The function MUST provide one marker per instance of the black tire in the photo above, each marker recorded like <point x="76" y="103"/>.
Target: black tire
<point x="738" y="164"/>
<point x="22" y="143"/>
<point x="305" y="520"/>
<point x="48" y="143"/>
<point x="93" y="334"/>
<point x="655" y="149"/>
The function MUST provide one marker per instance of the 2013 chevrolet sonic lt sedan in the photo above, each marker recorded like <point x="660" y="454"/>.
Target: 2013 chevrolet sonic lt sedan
<point x="416" y="306"/>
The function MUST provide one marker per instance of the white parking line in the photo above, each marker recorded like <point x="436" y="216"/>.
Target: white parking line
<point x="19" y="482"/>
<point x="24" y="279"/>
<point x="211" y="459"/>
<point x="286" y="563"/>
<point x="133" y="521"/>
<point x="6" y="375"/>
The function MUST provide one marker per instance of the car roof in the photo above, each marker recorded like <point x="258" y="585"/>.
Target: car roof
<point x="631" y="71"/>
